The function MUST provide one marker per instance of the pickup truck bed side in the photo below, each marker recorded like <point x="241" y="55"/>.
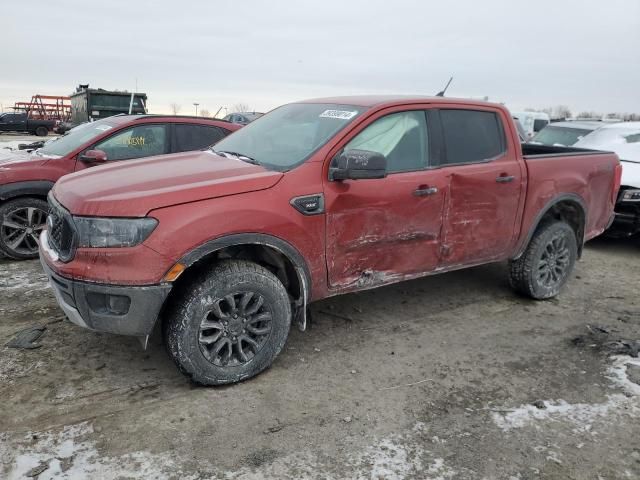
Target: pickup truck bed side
<point x="586" y="192"/>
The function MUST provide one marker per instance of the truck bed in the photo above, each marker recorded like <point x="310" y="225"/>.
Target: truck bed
<point x="531" y="151"/>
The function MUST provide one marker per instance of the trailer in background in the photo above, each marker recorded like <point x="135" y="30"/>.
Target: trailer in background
<point x="88" y="104"/>
<point x="46" y="107"/>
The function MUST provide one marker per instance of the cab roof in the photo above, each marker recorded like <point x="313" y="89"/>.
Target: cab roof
<point x="369" y="101"/>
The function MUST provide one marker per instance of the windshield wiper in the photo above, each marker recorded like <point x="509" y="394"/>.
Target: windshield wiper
<point x="239" y="156"/>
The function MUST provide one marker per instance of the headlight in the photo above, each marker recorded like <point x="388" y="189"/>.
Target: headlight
<point x="113" y="232"/>
<point x="630" y="196"/>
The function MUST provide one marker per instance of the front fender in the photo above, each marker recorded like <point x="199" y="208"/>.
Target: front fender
<point x="38" y="188"/>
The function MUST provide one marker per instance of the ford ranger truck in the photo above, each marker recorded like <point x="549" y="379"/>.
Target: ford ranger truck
<point x="224" y="249"/>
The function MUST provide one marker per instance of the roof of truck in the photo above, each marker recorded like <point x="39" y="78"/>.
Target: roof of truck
<point x="382" y="100"/>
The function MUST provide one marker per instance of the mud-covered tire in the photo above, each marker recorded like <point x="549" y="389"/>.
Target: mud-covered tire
<point x="554" y="243"/>
<point x="42" y="131"/>
<point x="207" y="301"/>
<point x="28" y="212"/>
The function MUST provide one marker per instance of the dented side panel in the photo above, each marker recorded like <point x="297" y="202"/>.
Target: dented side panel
<point x="379" y="228"/>
<point x="481" y="212"/>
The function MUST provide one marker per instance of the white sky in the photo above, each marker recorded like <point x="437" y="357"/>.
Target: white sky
<point x="584" y="54"/>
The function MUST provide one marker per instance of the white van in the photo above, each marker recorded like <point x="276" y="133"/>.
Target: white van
<point x="532" y="122"/>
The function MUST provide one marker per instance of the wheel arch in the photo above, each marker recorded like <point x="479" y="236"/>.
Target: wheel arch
<point x="568" y="207"/>
<point x="278" y="255"/>
<point x="34" y="188"/>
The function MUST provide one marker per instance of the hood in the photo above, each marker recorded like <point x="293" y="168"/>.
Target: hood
<point x="9" y="158"/>
<point x="132" y="188"/>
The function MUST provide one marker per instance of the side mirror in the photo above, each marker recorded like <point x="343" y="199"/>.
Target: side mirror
<point x="358" y="164"/>
<point x="94" y="157"/>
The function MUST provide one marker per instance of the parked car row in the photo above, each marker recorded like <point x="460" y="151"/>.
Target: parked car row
<point x="225" y="248"/>
<point x="27" y="178"/>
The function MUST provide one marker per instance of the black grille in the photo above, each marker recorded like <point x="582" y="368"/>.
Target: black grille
<point x="60" y="230"/>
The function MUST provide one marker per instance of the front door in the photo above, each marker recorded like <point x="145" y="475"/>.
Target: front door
<point x="485" y="187"/>
<point x="382" y="230"/>
<point x="141" y="141"/>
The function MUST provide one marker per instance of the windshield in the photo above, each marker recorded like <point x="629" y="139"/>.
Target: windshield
<point x="560" y="135"/>
<point x="285" y="137"/>
<point x="74" y="138"/>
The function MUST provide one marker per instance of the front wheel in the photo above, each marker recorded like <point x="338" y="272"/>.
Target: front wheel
<point x="547" y="263"/>
<point x="229" y="324"/>
<point x="21" y="222"/>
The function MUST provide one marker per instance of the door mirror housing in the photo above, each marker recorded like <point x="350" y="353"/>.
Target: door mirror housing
<point x="94" y="157"/>
<point x="358" y="165"/>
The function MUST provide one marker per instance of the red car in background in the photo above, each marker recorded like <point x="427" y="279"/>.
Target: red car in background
<point x="27" y="178"/>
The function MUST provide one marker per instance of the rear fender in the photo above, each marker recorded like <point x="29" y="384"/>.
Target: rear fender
<point x="572" y="197"/>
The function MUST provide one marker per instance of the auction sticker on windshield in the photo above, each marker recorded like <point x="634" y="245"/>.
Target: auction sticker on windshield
<point x="339" y="114"/>
<point x="104" y="128"/>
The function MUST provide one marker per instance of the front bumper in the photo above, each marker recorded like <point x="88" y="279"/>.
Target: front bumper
<point x="627" y="219"/>
<point x="123" y="310"/>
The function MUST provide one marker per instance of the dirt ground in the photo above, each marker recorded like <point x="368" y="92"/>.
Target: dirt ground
<point x="429" y="379"/>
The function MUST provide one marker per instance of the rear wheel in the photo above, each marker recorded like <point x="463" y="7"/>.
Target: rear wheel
<point x="547" y="263"/>
<point x="21" y="222"/>
<point x="42" y="131"/>
<point x="229" y="324"/>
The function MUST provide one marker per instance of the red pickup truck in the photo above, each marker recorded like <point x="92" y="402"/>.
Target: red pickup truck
<point x="318" y="198"/>
<point x="26" y="178"/>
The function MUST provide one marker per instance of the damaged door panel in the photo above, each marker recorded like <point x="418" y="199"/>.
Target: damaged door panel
<point x="485" y="187"/>
<point x="383" y="228"/>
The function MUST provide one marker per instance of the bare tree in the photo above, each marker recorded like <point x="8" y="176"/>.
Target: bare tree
<point x="175" y="108"/>
<point x="241" y="107"/>
<point x="561" y="111"/>
<point x="205" y="113"/>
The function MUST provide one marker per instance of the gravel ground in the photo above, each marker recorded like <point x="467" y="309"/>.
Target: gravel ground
<point x="430" y="379"/>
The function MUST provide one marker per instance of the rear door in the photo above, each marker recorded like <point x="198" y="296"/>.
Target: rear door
<point x="383" y="229"/>
<point x="190" y="136"/>
<point x="485" y="186"/>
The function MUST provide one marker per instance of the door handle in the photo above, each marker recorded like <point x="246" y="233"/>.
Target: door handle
<point x="505" y="178"/>
<point x="424" y="190"/>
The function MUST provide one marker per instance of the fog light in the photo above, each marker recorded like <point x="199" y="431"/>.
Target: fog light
<point x="105" y="304"/>
<point x="118" y="304"/>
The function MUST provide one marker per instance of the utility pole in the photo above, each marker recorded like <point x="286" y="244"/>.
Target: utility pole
<point x="196" y="105"/>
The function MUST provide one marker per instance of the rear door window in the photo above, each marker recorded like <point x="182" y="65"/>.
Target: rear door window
<point x="471" y="136"/>
<point x="137" y="142"/>
<point x="195" y="137"/>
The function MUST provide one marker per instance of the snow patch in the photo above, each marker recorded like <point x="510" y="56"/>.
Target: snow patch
<point x="582" y="414"/>
<point x="70" y="454"/>
<point x="14" y="276"/>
